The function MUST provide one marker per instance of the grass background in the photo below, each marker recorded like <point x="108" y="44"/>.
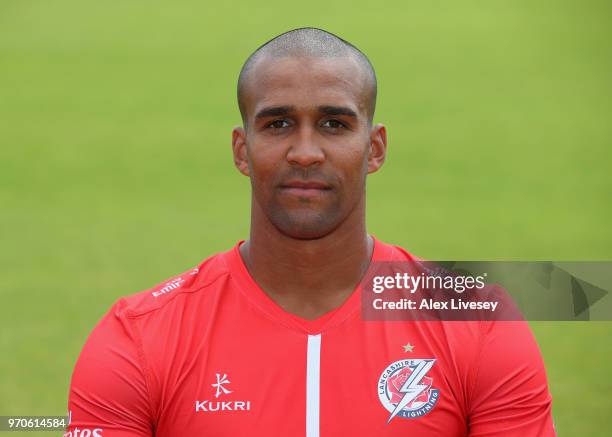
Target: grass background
<point x="116" y="171"/>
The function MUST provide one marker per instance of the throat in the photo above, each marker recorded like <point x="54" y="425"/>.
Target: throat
<point x="308" y="281"/>
<point x="307" y="305"/>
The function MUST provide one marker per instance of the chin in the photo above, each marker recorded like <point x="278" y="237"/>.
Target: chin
<point x="310" y="226"/>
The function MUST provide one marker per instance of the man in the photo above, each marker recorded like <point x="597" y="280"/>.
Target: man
<point x="266" y="339"/>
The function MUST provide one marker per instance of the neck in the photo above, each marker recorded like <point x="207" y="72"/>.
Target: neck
<point x="308" y="277"/>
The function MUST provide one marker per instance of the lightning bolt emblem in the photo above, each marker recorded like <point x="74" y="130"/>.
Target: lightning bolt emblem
<point x="412" y="387"/>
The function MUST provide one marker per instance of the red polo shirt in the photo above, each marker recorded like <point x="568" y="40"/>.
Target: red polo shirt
<point x="208" y="353"/>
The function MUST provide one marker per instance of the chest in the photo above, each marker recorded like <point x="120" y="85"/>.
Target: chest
<point x="358" y="380"/>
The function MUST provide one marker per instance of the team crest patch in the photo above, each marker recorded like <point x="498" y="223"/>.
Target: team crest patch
<point x="405" y="390"/>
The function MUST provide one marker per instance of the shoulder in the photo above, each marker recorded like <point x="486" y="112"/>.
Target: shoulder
<point x="391" y="252"/>
<point x="197" y="280"/>
<point x="476" y="328"/>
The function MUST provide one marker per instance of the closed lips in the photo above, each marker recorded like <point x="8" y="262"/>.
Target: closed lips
<point x="306" y="185"/>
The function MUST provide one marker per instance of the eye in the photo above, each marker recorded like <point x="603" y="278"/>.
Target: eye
<point x="278" y="124"/>
<point x="333" y="124"/>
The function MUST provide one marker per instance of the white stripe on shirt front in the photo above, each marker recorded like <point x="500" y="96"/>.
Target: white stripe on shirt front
<point x="313" y="367"/>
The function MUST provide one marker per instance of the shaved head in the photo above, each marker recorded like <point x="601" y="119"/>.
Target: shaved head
<point x="308" y="42"/>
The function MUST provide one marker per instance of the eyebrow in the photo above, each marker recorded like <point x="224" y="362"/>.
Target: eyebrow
<point x="274" y="111"/>
<point x="277" y="111"/>
<point x="337" y="110"/>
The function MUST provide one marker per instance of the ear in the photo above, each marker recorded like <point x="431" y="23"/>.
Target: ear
<point x="378" y="148"/>
<point x="241" y="159"/>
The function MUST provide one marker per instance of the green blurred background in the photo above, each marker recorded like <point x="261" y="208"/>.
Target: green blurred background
<point x="116" y="169"/>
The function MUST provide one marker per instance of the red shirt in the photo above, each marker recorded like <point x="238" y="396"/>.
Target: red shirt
<point x="208" y="353"/>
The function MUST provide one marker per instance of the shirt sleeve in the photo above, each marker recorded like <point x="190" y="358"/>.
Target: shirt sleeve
<point x="108" y="394"/>
<point x="510" y="395"/>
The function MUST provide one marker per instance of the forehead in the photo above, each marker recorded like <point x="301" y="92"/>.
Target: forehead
<point x="306" y="82"/>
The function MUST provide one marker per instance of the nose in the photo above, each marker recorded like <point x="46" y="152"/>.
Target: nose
<point x="304" y="150"/>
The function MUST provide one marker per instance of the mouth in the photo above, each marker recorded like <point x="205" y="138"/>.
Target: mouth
<point x="305" y="188"/>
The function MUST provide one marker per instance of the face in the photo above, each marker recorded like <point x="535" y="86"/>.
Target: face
<point x="307" y="145"/>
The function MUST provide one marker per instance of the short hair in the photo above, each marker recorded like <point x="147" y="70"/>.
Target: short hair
<point x="308" y="42"/>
